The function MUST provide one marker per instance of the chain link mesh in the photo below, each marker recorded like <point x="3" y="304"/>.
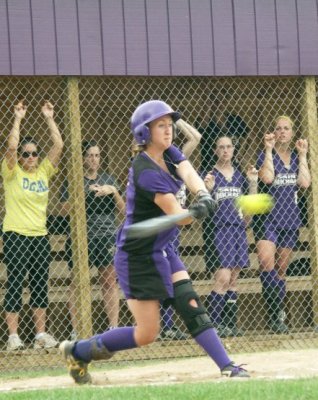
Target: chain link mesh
<point x="243" y="107"/>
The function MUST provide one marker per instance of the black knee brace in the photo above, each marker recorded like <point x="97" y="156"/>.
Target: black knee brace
<point x="195" y="318"/>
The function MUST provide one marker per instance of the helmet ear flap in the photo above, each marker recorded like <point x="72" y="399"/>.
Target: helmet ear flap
<point x="142" y="134"/>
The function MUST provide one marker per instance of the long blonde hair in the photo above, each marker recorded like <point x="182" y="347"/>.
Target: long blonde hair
<point x="286" y="118"/>
<point x="137" y="148"/>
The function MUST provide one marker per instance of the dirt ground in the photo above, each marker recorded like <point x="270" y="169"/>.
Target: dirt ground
<point x="270" y="365"/>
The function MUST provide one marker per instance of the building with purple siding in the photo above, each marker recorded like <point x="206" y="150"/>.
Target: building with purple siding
<point x="159" y="37"/>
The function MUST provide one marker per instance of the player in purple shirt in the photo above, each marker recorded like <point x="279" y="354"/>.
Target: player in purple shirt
<point x="282" y="171"/>
<point x="148" y="269"/>
<point x="226" y="245"/>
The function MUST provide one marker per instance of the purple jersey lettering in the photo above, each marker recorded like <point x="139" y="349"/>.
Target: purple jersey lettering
<point x="286" y="213"/>
<point x="225" y="192"/>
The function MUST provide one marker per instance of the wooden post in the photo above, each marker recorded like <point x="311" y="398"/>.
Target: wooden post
<point x="81" y="274"/>
<point x="310" y="126"/>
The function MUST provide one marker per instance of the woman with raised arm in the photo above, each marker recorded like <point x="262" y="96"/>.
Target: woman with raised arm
<point x="283" y="170"/>
<point x="25" y="243"/>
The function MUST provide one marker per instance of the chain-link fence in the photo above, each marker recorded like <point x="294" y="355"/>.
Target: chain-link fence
<point x="86" y="205"/>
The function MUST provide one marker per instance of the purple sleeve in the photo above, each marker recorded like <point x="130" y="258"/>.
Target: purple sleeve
<point x="151" y="181"/>
<point x="175" y="154"/>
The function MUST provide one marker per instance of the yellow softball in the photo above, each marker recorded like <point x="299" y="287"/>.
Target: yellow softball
<point x="252" y="204"/>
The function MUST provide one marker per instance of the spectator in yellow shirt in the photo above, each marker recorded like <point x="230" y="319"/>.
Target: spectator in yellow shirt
<point x="25" y="243"/>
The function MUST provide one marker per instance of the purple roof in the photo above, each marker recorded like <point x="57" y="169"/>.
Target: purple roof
<point x="159" y="37"/>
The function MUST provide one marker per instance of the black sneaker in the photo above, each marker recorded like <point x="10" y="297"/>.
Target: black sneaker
<point x="235" y="371"/>
<point x="77" y="368"/>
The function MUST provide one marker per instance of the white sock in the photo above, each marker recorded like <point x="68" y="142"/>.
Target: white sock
<point x="14" y="335"/>
<point x="39" y="335"/>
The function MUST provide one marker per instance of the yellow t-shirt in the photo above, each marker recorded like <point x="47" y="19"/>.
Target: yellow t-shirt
<point x="26" y="198"/>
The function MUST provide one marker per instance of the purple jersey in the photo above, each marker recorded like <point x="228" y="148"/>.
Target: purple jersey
<point x="286" y="213"/>
<point x="225" y="192"/>
<point x="146" y="179"/>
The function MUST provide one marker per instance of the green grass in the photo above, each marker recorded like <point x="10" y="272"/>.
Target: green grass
<point x="23" y="374"/>
<point x="302" y="389"/>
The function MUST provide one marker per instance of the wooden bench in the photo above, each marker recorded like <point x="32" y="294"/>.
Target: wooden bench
<point x="192" y="252"/>
<point x="252" y="315"/>
<point x="299" y="288"/>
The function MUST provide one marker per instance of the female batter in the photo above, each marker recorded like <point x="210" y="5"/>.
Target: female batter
<point x="148" y="269"/>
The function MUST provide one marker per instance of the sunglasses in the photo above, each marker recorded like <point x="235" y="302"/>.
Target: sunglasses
<point x="27" y="154"/>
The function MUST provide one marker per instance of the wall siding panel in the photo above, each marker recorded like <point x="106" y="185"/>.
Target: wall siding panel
<point x="90" y="37"/>
<point x="245" y="38"/>
<point x="224" y="41"/>
<point x="44" y="37"/>
<point x="5" y="59"/>
<point x="21" y="41"/>
<point x="180" y="37"/>
<point x="287" y="32"/>
<point x="202" y="38"/>
<point x="266" y="34"/>
<point x="67" y="35"/>
<point x="136" y="37"/>
<point x="159" y="37"/>
<point x="113" y="37"/>
<point x="308" y="36"/>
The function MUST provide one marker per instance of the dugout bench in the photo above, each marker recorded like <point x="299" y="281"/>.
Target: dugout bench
<point x="252" y="316"/>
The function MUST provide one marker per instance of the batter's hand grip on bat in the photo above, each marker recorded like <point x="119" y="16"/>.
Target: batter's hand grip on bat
<point x="199" y="210"/>
<point x="204" y="206"/>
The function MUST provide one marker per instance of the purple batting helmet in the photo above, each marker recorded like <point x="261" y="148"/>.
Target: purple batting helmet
<point x="147" y="112"/>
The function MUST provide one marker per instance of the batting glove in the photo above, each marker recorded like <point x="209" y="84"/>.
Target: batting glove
<point x="205" y="205"/>
<point x="204" y="197"/>
<point x="199" y="210"/>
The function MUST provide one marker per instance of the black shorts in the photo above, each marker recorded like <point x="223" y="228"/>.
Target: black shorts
<point x="101" y="251"/>
<point x="26" y="255"/>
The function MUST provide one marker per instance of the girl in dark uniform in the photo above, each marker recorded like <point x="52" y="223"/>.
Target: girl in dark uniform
<point x="282" y="171"/>
<point x="226" y="246"/>
<point x="149" y="270"/>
